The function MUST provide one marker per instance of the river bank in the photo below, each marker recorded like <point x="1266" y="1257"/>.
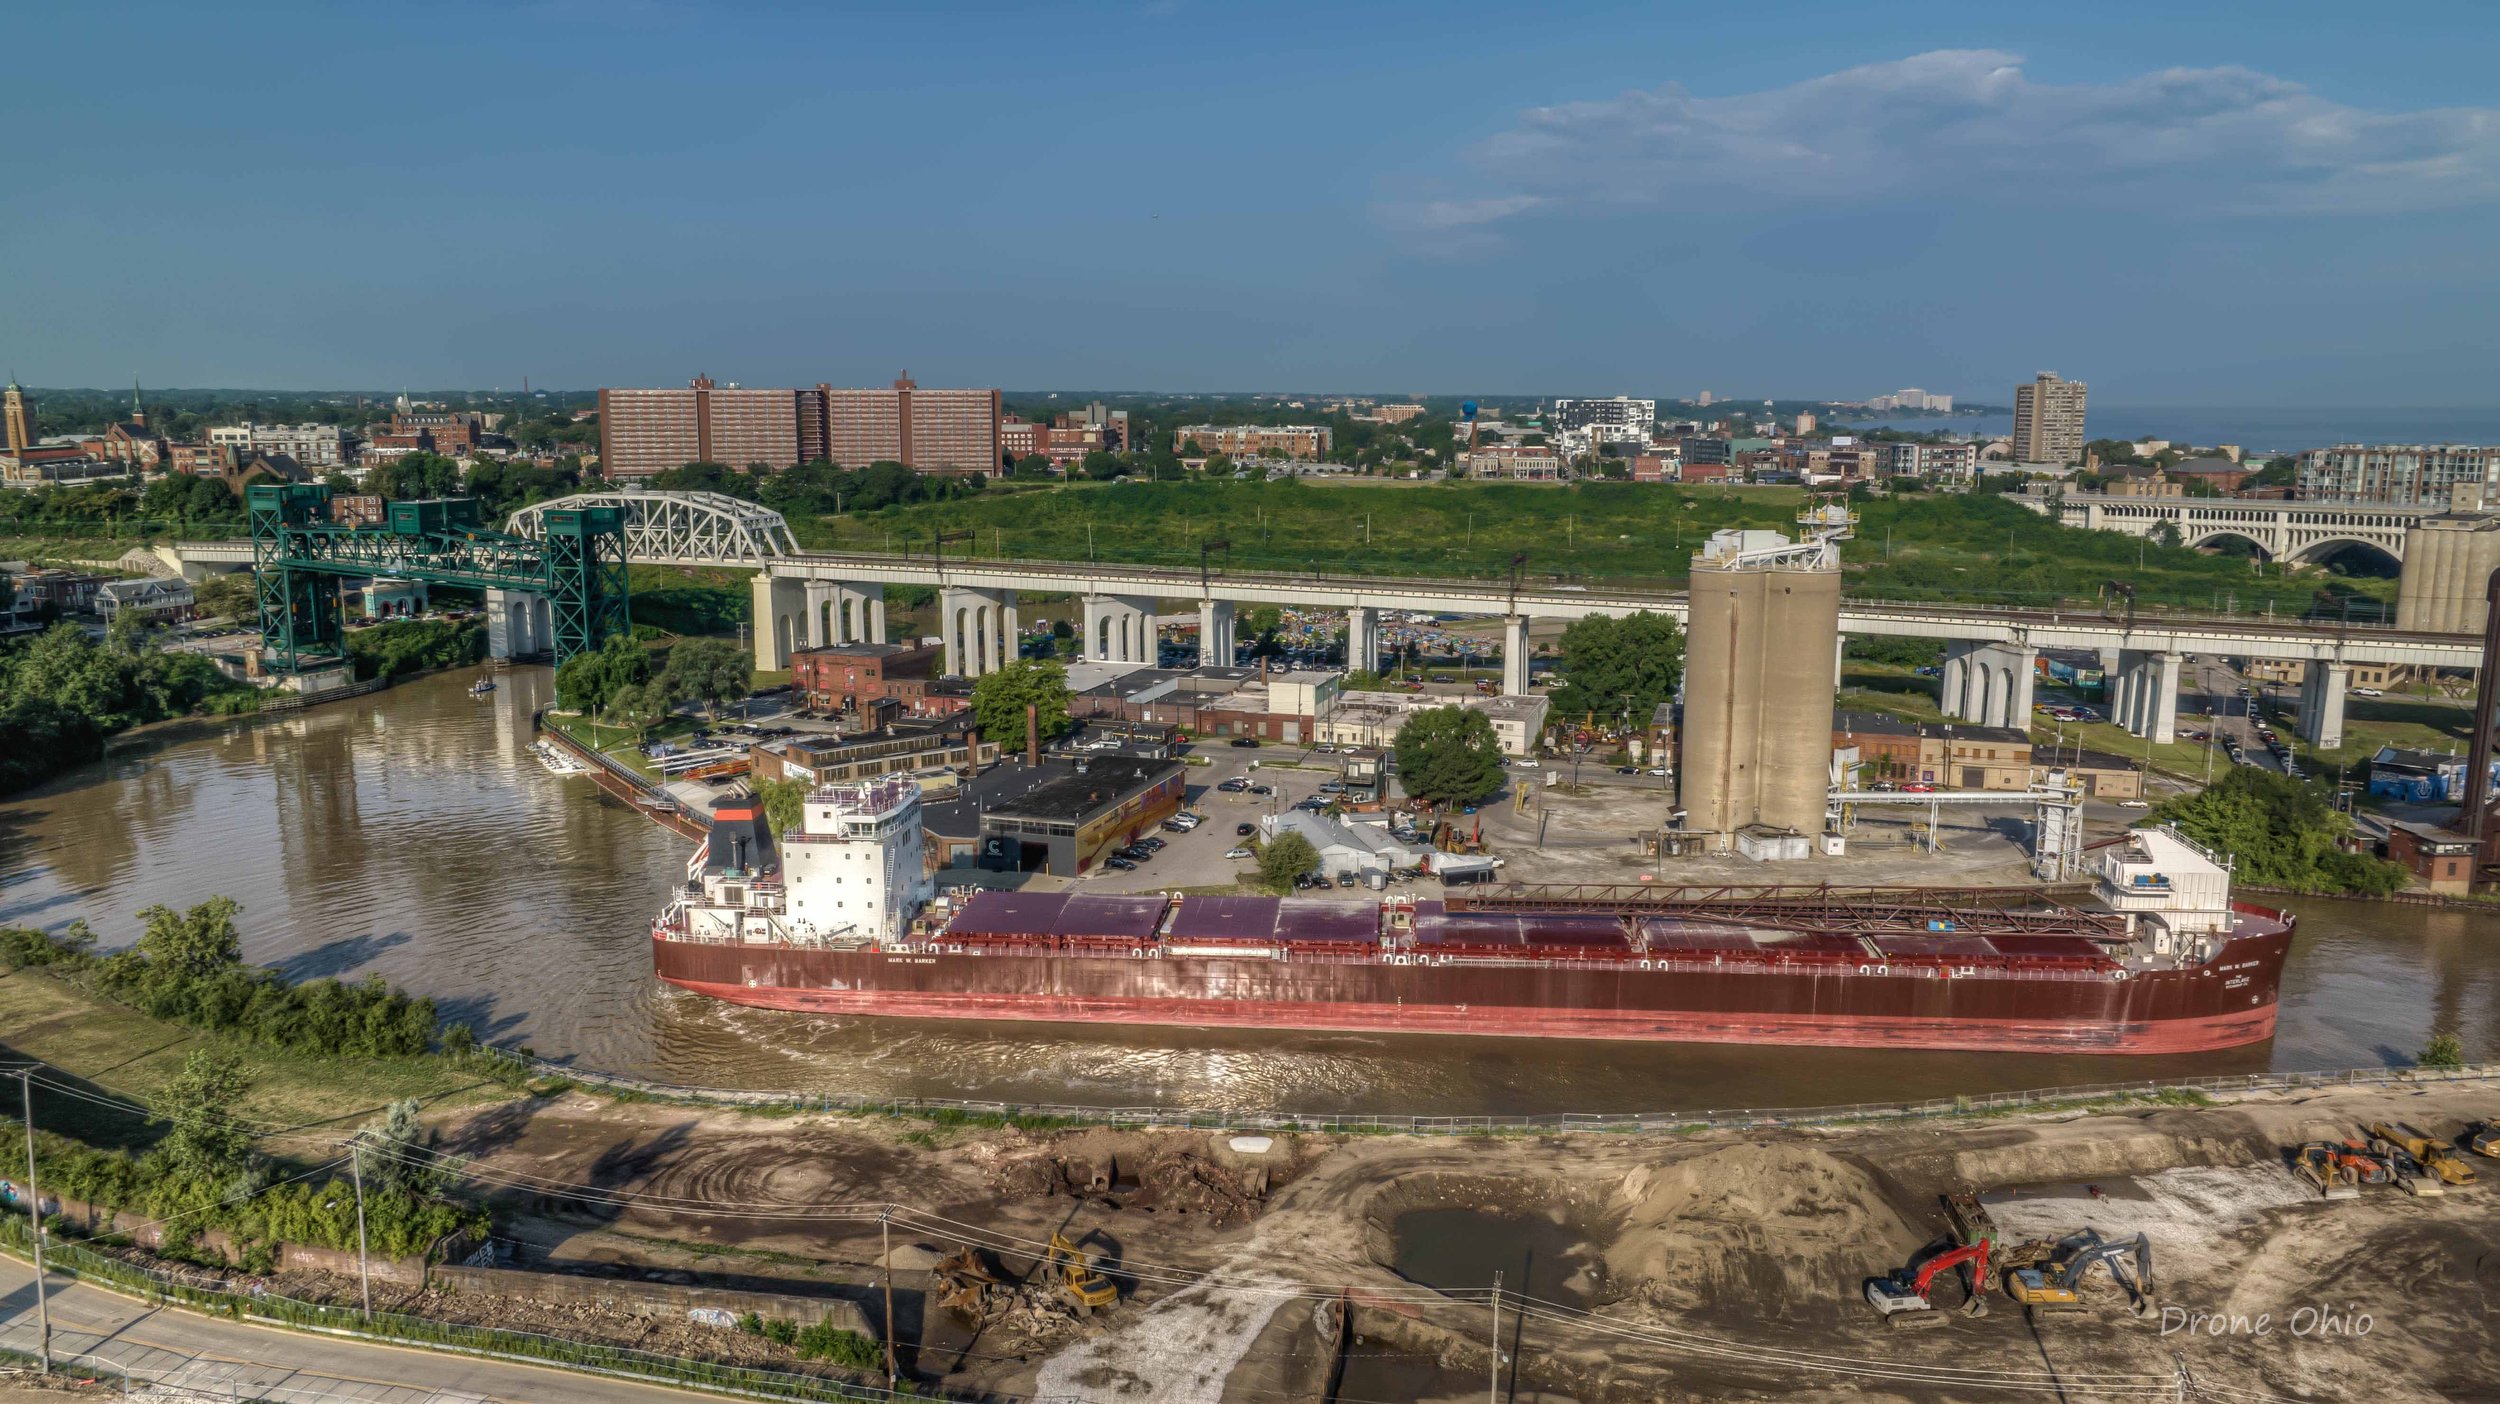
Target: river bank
<point x="413" y="834"/>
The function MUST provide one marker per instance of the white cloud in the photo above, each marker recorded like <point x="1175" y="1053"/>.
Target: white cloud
<point x="1970" y="124"/>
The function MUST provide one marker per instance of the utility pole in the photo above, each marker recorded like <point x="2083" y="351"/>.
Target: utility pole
<point x="885" y="1244"/>
<point x="364" y="1271"/>
<point x="1493" y="1370"/>
<point x="34" y="1212"/>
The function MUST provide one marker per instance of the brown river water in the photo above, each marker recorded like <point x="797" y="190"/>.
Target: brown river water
<point x="411" y="833"/>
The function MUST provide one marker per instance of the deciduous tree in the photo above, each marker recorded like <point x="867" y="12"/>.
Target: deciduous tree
<point x="1449" y="756"/>
<point x="1284" y="858"/>
<point x="999" y="700"/>
<point x="1620" y="667"/>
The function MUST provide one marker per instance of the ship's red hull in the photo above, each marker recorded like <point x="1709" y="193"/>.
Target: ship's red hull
<point x="2228" y="1002"/>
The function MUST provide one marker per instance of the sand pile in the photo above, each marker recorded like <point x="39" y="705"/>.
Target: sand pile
<point x="1769" y="1229"/>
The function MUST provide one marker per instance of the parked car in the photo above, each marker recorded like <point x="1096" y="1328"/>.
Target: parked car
<point x="1627" y="770"/>
<point x="1151" y="845"/>
<point x="1236" y="852"/>
<point x="1119" y="864"/>
<point x="1262" y="789"/>
<point x="1332" y="787"/>
<point x="2368" y="692"/>
<point x="1244" y="830"/>
<point x="1247" y="743"/>
<point x="1345" y="879"/>
<point x="1234" y="785"/>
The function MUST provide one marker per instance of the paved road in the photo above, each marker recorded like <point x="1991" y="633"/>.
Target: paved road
<point x="226" y="1359"/>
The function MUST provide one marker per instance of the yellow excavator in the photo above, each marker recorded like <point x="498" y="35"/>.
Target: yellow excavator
<point x="1086" y="1288"/>
<point x="2054" y="1284"/>
<point x="2434" y="1156"/>
<point x="2485" y="1139"/>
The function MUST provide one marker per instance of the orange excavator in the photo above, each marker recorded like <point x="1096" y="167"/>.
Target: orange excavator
<point x="1902" y="1295"/>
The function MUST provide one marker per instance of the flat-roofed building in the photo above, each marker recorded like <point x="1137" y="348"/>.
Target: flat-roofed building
<point x="1067" y="824"/>
<point x="1255" y="440"/>
<point x="647" y="431"/>
<point x="929" y="431"/>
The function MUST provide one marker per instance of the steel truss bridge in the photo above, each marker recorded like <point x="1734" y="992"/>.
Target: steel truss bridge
<point x="576" y="562"/>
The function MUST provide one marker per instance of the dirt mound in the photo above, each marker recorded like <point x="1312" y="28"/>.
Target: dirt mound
<point x="1772" y="1230"/>
<point x="1166" y="1173"/>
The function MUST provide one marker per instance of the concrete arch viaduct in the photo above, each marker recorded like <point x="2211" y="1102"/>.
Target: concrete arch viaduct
<point x="805" y="598"/>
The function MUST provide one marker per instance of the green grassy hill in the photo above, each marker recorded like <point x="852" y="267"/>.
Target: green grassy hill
<point x="1978" y="547"/>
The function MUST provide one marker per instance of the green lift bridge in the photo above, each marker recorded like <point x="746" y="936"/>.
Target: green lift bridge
<point x="299" y="548"/>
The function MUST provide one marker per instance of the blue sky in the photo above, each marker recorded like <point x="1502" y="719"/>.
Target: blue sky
<point x="2255" y="204"/>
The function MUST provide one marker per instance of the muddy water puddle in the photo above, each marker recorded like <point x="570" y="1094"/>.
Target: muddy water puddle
<point x="1459" y="1251"/>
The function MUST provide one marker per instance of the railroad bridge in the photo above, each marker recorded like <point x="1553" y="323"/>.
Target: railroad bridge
<point x="805" y="598"/>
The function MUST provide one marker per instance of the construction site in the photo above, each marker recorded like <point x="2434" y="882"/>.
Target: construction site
<point x="2316" y="1246"/>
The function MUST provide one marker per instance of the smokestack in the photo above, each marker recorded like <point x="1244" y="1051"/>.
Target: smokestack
<point x="1032" y="734"/>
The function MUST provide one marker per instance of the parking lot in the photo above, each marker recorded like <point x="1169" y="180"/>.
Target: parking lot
<point x="1197" y="859"/>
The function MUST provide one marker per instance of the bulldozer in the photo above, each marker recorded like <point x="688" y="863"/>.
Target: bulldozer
<point x="2055" y="1285"/>
<point x="2322" y="1163"/>
<point x="1086" y="1289"/>
<point x="1901" y="1296"/>
<point x="2435" y="1156"/>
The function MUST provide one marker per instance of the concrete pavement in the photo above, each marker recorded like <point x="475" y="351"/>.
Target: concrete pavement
<point x="94" y="1330"/>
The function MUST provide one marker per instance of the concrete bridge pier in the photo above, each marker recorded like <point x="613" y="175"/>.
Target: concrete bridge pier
<point x="1516" y="653"/>
<point x="1988" y="684"/>
<point x="518" y="622"/>
<point x="1216" y="637"/>
<point x="2322" y="687"/>
<point x="1362" y="639"/>
<point x="2145" y="697"/>
<point x="979" y="627"/>
<point x="841" y="612"/>
<point x="779" y="619"/>
<point x="1120" y="629"/>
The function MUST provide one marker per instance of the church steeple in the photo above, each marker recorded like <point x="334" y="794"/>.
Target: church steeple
<point x="138" y="416"/>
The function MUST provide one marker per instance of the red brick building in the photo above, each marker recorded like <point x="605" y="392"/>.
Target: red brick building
<point x="648" y="431"/>
<point x="855" y="677"/>
<point x="2442" y="858"/>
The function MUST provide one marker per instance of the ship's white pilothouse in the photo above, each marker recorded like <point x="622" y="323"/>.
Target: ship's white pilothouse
<point x="853" y="873"/>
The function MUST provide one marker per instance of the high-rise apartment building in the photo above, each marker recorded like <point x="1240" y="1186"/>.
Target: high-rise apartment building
<point x="2048" y="420"/>
<point x="933" y="431"/>
<point x="2419" y="474"/>
<point x="642" y="432"/>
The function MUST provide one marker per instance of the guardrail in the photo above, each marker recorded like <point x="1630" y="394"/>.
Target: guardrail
<point x="1253" y="1119"/>
<point x="228" y="1297"/>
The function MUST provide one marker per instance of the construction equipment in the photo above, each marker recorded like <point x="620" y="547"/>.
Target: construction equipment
<point x="966" y="1286"/>
<point x="2436" y="1156"/>
<point x="2367" y="1168"/>
<point x="1086" y="1288"/>
<point x="1901" y="1295"/>
<point x="2485" y="1139"/>
<point x="2404" y="1169"/>
<point x="2321" y="1164"/>
<point x="2056" y="1285"/>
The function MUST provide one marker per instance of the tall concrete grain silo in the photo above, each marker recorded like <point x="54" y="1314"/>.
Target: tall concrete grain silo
<point x="1758" y="680"/>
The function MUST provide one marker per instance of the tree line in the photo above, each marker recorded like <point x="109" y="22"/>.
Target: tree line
<point x="62" y="694"/>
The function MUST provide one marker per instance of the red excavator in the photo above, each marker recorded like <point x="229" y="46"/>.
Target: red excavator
<point x="1903" y="1295"/>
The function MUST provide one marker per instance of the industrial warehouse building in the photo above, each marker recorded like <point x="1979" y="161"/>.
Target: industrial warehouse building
<point x="1070" y="817"/>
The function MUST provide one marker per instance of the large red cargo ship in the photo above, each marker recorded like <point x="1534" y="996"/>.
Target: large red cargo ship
<point x="2158" y="961"/>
